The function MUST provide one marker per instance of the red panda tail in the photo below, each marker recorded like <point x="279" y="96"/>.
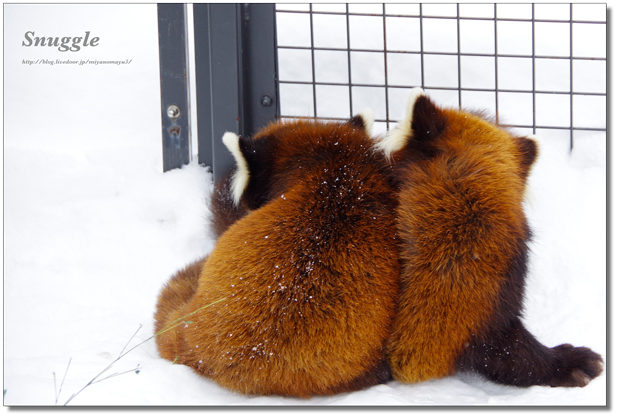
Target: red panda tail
<point x="171" y="305"/>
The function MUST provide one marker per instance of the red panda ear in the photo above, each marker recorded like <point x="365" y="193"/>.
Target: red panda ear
<point x="364" y="119"/>
<point x="428" y="122"/>
<point x="423" y="121"/>
<point x="252" y="175"/>
<point x="528" y="151"/>
<point x="241" y="175"/>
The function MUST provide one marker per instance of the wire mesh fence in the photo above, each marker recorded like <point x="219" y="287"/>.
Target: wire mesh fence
<point x="540" y="68"/>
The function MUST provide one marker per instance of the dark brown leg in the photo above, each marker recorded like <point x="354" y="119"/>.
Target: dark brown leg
<point x="513" y="356"/>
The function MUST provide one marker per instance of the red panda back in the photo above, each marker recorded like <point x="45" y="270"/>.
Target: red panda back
<point x="309" y="278"/>
<point x="464" y="254"/>
<point x="461" y="223"/>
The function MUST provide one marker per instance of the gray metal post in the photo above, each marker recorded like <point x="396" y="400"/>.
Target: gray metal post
<point x="173" y="83"/>
<point x="236" y="75"/>
<point x="260" y="66"/>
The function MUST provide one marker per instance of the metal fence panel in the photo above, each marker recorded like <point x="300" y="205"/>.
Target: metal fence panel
<point x="464" y="55"/>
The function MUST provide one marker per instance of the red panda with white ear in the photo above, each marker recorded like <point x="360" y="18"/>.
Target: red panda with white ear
<point x="298" y="296"/>
<point x="464" y="254"/>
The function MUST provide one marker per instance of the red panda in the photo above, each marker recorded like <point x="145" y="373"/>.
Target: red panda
<point x="464" y="254"/>
<point x="298" y="295"/>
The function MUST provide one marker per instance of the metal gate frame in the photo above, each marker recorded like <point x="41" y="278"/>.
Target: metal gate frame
<point x="236" y="77"/>
<point x="237" y="74"/>
<point x="174" y="85"/>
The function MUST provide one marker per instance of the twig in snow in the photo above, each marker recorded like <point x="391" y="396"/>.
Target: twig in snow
<point x="136" y="369"/>
<point x="124" y="353"/>
<point x="134" y="334"/>
<point x="62" y="383"/>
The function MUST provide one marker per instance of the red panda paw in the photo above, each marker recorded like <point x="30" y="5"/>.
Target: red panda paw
<point x="575" y="366"/>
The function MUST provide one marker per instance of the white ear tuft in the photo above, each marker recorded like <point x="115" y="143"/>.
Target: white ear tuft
<point x="396" y="138"/>
<point x="368" y="116"/>
<point x="241" y="176"/>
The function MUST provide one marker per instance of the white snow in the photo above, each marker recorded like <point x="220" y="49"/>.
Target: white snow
<point x="93" y="229"/>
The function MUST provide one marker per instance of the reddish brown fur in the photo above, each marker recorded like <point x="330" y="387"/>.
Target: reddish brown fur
<point x="172" y="303"/>
<point x="310" y="277"/>
<point x="464" y="257"/>
<point x="459" y="218"/>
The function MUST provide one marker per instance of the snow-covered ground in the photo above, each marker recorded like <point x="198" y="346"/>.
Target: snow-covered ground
<point x="93" y="228"/>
